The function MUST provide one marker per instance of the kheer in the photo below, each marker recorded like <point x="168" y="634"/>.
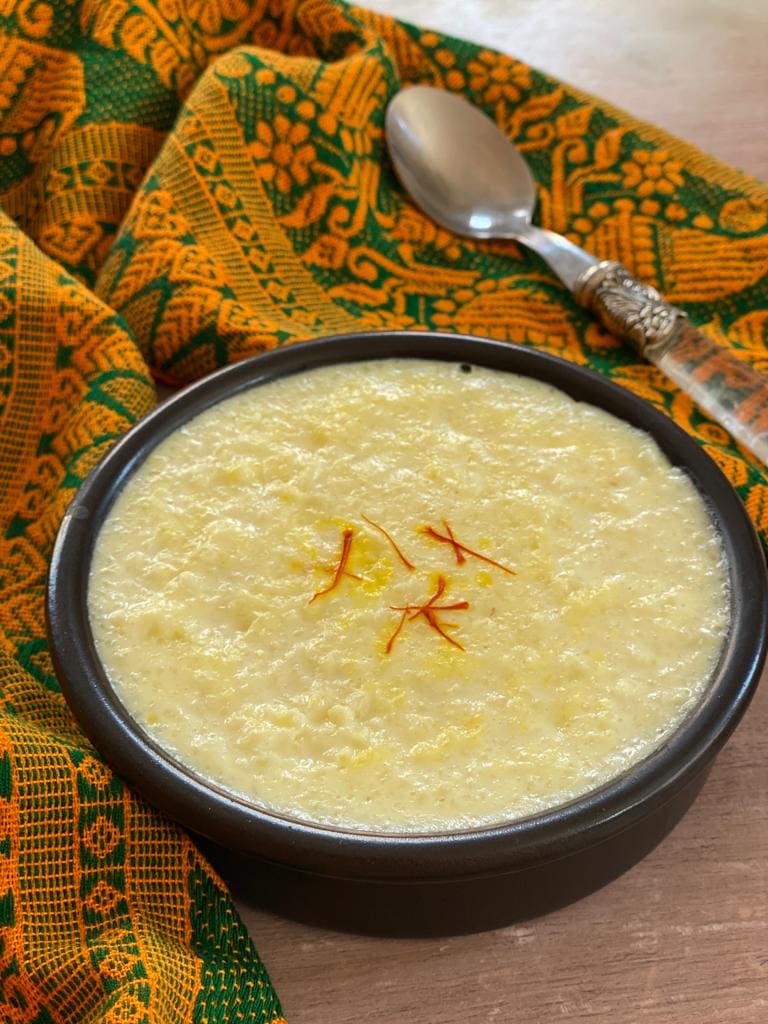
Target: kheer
<point x="404" y="595"/>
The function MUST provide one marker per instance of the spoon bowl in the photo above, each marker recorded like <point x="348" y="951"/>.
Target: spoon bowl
<point x="470" y="179"/>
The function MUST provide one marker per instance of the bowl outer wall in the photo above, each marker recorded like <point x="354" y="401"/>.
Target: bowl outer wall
<point x="233" y="822"/>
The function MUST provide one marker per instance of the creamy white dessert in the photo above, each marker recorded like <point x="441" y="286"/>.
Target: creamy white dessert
<point x="400" y="596"/>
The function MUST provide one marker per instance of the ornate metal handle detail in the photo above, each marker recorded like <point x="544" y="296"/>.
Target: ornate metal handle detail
<point x="630" y="309"/>
<point x="726" y="387"/>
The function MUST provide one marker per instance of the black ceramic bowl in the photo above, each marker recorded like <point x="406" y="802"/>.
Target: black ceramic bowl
<point x="414" y="884"/>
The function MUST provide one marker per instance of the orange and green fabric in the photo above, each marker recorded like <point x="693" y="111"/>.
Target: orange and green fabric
<point x="184" y="183"/>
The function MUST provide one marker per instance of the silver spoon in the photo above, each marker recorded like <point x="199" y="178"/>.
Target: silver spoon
<point x="465" y="174"/>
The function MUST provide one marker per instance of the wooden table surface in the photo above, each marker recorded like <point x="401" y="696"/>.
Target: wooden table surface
<point x="682" y="938"/>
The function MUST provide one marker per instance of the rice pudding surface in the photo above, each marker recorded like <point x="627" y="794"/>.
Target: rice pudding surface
<point x="399" y="596"/>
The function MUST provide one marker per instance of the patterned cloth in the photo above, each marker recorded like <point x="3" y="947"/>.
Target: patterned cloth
<point x="187" y="182"/>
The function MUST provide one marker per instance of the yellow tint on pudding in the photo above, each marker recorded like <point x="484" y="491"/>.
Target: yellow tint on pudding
<point x="237" y="634"/>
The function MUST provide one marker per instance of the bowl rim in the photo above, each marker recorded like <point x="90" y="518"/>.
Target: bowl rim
<point x="212" y="811"/>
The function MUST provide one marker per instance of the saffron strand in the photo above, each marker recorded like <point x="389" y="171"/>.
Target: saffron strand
<point x="429" y="615"/>
<point x="341" y="568"/>
<point x="391" y="641"/>
<point x="428" y="611"/>
<point x="460" y="550"/>
<point x="408" y="564"/>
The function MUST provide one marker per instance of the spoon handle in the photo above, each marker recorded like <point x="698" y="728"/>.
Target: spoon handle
<point x="726" y="387"/>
